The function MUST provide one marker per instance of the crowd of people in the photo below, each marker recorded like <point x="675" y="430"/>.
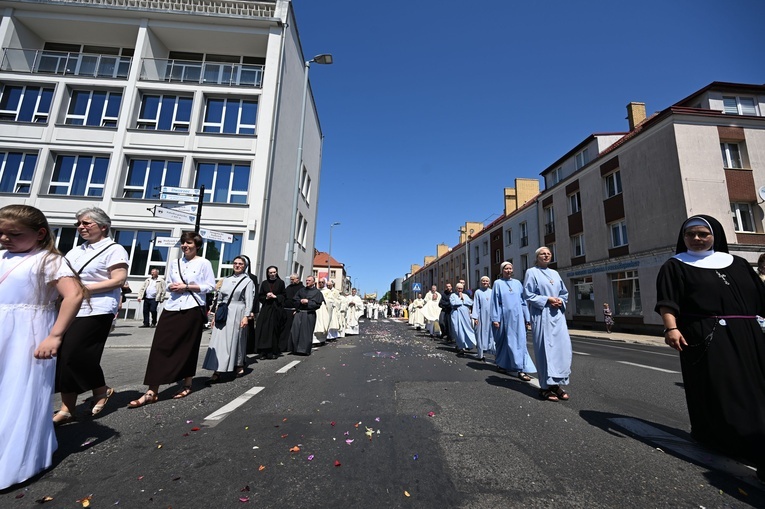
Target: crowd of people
<point x="59" y="314"/>
<point x="494" y="320"/>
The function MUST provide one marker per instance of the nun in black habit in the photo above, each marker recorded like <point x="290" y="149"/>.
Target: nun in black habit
<point x="709" y="301"/>
<point x="268" y="328"/>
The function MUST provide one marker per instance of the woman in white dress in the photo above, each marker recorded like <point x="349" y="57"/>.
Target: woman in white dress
<point x="228" y="344"/>
<point x="32" y="276"/>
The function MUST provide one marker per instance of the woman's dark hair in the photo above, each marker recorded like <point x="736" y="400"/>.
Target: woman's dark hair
<point x="193" y="236"/>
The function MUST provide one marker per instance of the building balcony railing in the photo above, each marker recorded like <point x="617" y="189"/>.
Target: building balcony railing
<point x="240" y="8"/>
<point x="203" y="73"/>
<point x="37" y="61"/>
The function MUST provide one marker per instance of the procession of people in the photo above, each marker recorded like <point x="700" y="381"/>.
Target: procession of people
<point x="699" y="288"/>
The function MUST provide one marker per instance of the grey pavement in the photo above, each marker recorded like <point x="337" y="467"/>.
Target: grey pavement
<point x="129" y="334"/>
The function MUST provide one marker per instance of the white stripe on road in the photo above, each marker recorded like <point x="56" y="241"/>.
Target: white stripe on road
<point x="288" y="367"/>
<point x="648" y="367"/>
<point x="691" y="450"/>
<point x="225" y="410"/>
<point x="581" y="353"/>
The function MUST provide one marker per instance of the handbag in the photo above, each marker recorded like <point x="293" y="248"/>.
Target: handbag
<point x="221" y="312"/>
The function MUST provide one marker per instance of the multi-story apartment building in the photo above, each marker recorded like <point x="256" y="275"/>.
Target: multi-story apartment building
<point x="612" y="206"/>
<point x="103" y="103"/>
<point x="323" y="263"/>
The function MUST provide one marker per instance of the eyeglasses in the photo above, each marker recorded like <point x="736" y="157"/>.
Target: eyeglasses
<point x="237" y="264"/>
<point x="701" y="235"/>
<point x="86" y="224"/>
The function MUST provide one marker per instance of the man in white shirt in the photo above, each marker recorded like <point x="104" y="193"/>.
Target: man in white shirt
<point x="152" y="292"/>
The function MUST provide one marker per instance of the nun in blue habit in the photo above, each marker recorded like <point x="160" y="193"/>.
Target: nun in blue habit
<point x="481" y="316"/>
<point x="510" y="318"/>
<point x="462" y="325"/>
<point x="547" y="297"/>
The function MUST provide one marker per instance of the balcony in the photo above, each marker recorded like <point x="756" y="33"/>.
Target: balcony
<point x="201" y="73"/>
<point x="62" y="63"/>
<point x="239" y="8"/>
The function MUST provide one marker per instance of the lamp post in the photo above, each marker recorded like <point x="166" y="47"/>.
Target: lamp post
<point x="325" y="59"/>
<point x="329" y="258"/>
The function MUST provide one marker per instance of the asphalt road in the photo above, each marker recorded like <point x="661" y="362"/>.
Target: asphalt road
<point x="392" y="418"/>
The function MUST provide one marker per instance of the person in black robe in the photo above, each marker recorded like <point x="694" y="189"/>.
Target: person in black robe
<point x="307" y="301"/>
<point x="445" y="320"/>
<point x="268" y="328"/>
<point x="709" y="301"/>
<point x="250" y="348"/>
<point x="288" y="311"/>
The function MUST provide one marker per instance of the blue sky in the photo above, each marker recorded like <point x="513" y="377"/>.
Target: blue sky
<point x="432" y="107"/>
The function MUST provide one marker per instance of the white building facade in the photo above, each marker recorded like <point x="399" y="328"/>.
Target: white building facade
<point x="104" y="103"/>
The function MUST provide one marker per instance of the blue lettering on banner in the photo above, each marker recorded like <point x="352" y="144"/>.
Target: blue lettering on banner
<point x="605" y="268"/>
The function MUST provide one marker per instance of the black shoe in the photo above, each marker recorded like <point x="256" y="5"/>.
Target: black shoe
<point x="144" y="326"/>
<point x="154" y="325"/>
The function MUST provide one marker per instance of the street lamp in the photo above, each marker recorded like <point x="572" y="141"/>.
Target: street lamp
<point x="324" y="59"/>
<point x="329" y="258"/>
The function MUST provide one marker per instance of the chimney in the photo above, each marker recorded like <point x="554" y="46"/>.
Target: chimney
<point x="635" y="114"/>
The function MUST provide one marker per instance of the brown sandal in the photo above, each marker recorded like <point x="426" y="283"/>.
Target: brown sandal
<point x="147" y="399"/>
<point x="560" y="393"/>
<point x="183" y="392"/>
<point x="547" y="395"/>
<point x="524" y="377"/>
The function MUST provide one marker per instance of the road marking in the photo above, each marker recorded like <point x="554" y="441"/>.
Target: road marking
<point x="224" y="411"/>
<point x="288" y="367"/>
<point x="581" y="353"/>
<point x="648" y="367"/>
<point x="691" y="450"/>
<point x="605" y="344"/>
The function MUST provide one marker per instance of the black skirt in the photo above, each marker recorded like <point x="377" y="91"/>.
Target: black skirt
<point x="175" y="347"/>
<point x="78" y="367"/>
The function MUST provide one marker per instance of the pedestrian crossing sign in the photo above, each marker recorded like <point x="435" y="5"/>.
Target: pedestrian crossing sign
<point x="416" y="287"/>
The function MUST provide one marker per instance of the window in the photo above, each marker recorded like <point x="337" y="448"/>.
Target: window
<point x="20" y="103"/>
<point x="497" y="256"/>
<point x="462" y="261"/>
<point x="731" y="155"/>
<point x="224" y="182"/>
<point x="574" y="203"/>
<point x="230" y="116"/>
<point x="524" y="234"/>
<point x="553" y="252"/>
<point x="222" y="254"/>
<point x="16" y="170"/>
<point x="145" y="177"/>
<point x="305" y="185"/>
<point x="613" y="182"/>
<point x="582" y="158"/>
<point x="549" y="217"/>
<point x="626" y="289"/>
<point x="577" y="246"/>
<point x="618" y="234"/>
<point x="79" y="175"/>
<point x="555" y="176"/>
<point x="96" y="108"/>
<point x="477" y="258"/>
<point x="486" y="248"/>
<point x="144" y="255"/>
<point x="301" y="230"/>
<point x="743" y="219"/>
<point x="584" y="296"/>
<point x="524" y="263"/>
<point x="164" y="113"/>
<point x="739" y="106"/>
<point x="65" y="238"/>
<point x="508" y="237"/>
<point x="485" y="271"/>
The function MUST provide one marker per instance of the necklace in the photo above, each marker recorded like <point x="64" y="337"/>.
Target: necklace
<point x="547" y="275"/>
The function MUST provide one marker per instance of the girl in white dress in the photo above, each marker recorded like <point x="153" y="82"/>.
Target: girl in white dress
<point x="33" y="275"/>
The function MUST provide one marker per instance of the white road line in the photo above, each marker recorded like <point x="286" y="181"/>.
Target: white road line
<point x="225" y="410"/>
<point x="691" y="450"/>
<point x="601" y="344"/>
<point x="648" y="367"/>
<point x="288" y="367"/>
<point x="581" y="353"/>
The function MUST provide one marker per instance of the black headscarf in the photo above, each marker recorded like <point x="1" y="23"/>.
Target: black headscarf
<point x="720" y="242"/>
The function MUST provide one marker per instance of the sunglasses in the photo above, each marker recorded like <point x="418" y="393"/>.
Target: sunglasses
<point x="701" y="235"/>
<point x="86" y="224"/>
